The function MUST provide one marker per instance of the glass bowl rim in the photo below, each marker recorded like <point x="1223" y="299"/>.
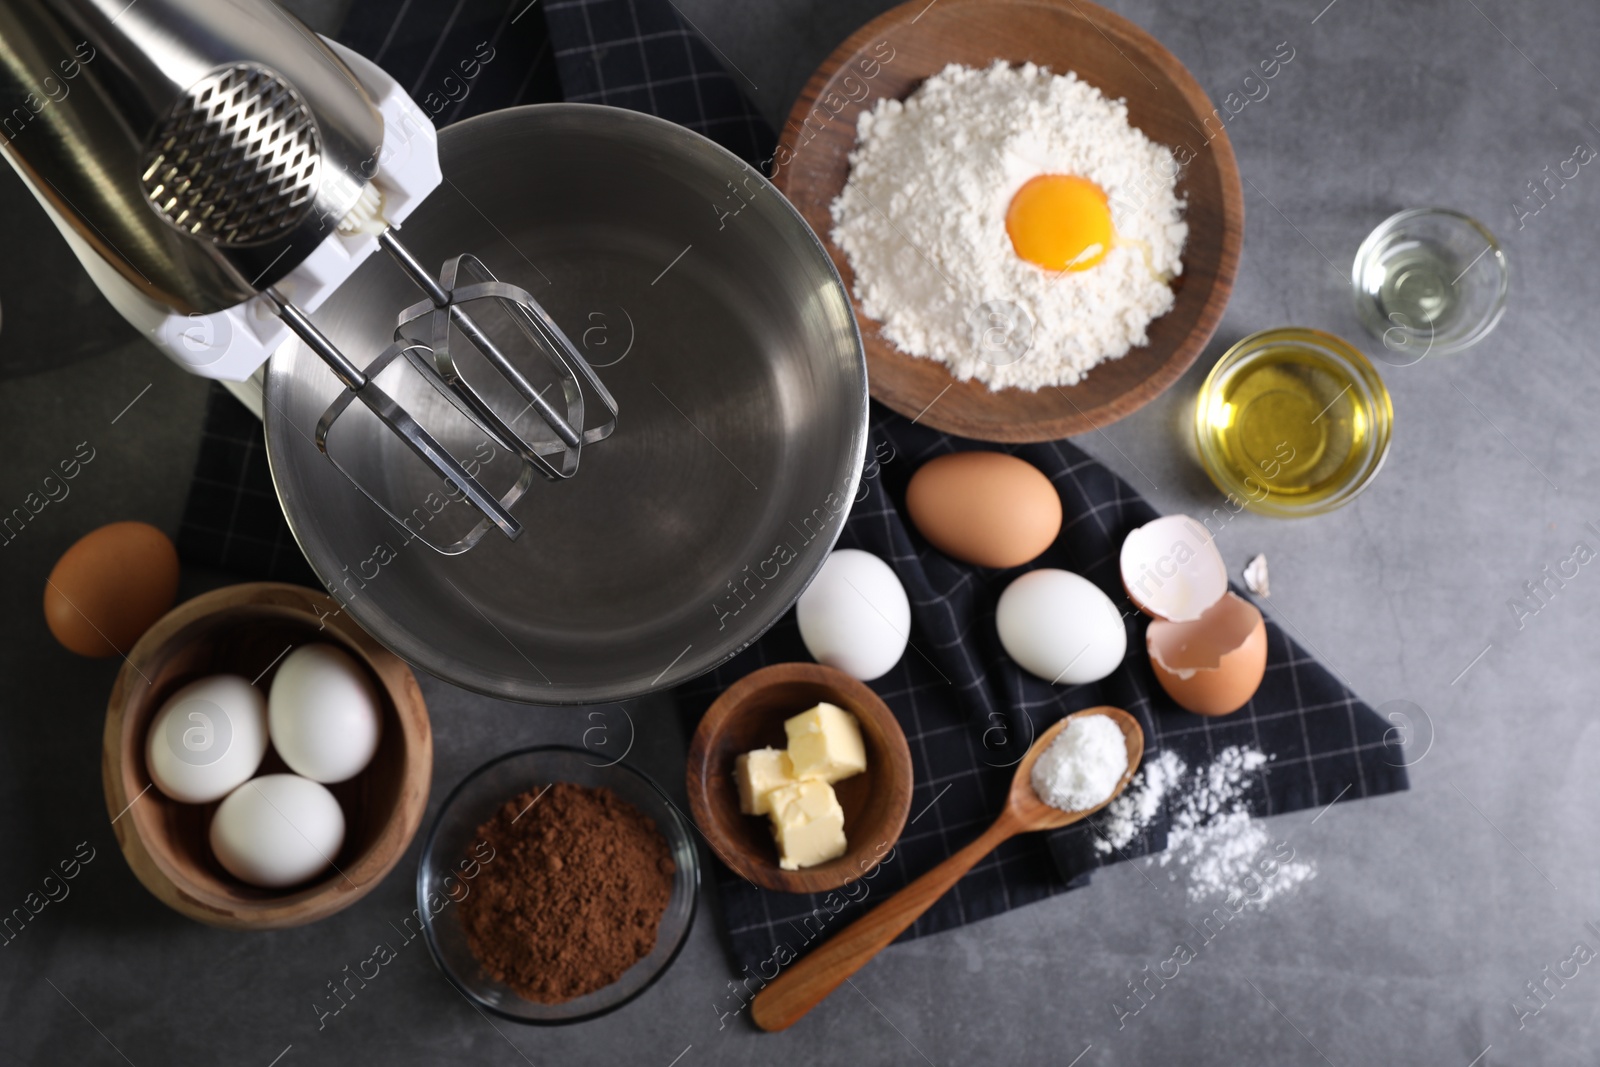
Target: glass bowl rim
<point x="1238" y="354"/>
<point x="680" y="832"/>
<point x="1366" y="307"/>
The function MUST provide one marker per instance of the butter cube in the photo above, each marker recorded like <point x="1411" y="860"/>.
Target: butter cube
<point x="757" y="774"/>
<point x="825" y="743"/>
<point x="808" y="823"/>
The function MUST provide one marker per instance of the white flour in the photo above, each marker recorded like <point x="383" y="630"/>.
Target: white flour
<point x="922" y="219"/>
<point x="1083" y="764"/>
<point x="1211" y="834"/>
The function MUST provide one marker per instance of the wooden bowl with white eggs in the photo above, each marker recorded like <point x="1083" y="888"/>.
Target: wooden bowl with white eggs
<point x="246" y="630"/>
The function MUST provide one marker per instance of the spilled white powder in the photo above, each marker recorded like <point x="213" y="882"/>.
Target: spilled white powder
<point x="922" y="220"/>
<point x="1126" y="817"/>
<point x="1083" y="765"/>
<point x="1211" y="836"/>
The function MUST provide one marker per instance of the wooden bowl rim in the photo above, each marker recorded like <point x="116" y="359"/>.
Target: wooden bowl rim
<point x="698" y="776"/>
<point x="1081" y="418"/>
<point x="330" y="895"/>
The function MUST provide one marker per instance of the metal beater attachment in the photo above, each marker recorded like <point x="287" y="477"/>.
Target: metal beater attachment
<point x="513" y="385"/>
<point x="516" y="389"/>
<point x="467" y="349"/>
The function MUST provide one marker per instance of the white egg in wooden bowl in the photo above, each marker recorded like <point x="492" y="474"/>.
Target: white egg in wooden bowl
<point x="207" y="739"/>
<point x="323" y="713"/>
<point x="277" y="831"/>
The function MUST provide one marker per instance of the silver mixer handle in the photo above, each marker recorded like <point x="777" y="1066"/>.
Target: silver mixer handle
<point x="207" y="148"/>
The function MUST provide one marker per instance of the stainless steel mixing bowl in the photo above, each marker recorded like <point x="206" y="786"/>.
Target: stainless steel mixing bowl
<point x="716" y="319"/>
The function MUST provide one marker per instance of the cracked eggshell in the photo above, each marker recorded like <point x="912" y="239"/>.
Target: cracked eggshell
<point x="1212" y="665"/>
<point x="1172" y="570"/>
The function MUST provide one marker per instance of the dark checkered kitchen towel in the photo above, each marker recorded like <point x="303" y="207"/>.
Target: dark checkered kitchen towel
<point x="967" y="710"/>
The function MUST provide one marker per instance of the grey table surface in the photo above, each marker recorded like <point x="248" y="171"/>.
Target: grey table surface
<point x="1430" y="911"/>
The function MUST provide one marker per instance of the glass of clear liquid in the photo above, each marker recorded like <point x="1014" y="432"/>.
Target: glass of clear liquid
<point x="1429" y="281"/>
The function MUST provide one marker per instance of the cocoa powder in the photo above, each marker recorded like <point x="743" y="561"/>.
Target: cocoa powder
<point x="575" y="895"/>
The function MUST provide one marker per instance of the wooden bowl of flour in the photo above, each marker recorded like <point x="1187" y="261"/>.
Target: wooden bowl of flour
<point x="890" y="57"/>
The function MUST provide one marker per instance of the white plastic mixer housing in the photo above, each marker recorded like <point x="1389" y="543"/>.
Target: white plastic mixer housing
<point x="230" y="345"/>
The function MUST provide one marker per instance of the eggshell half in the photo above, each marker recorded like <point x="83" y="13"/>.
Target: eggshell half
<point x="1172" y="570"/>
<point x="984" y="508"/>
<point x="1212" y="665"/>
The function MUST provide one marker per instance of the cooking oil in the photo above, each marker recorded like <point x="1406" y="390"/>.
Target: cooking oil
<point x="1293" y="422"/>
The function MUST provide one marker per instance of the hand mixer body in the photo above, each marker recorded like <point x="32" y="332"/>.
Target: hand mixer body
<point x="219" y="170"/>
<point x="104" y="85"/>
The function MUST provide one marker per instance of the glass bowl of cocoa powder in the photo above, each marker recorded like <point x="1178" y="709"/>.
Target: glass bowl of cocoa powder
<point x="555" y="887"/>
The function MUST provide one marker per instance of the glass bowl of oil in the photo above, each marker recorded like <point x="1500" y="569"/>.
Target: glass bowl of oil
<point x="1293" y="422"/>
<point x="1429" y="280"/>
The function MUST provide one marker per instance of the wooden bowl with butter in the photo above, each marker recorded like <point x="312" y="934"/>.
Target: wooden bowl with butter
<point x="750" y="715"/>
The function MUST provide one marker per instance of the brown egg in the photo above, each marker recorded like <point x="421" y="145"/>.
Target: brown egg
<point x="1213" y="665"/>
<point x="985" y="508"/>
<point x="109" y="587"/>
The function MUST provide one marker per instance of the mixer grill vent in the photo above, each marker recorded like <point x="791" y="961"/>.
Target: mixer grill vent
<point x="236" y="160"/>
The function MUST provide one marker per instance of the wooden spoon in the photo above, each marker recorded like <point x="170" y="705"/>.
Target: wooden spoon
<point x="804" y="985"/>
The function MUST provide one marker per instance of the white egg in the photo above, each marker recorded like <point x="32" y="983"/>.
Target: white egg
<point x="207" y="738"/>
<point x="855" y="615"/>
<point x="1061" y="627"/>
<point x="277" y="830"/>
<point x="323" y="714"/>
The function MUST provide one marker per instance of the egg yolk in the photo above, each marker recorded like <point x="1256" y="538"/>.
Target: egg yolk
<point x="1060" y="222"/>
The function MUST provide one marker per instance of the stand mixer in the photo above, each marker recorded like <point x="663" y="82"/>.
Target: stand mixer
<point x="225" y="176"/>
<point x="219" y="170"/>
